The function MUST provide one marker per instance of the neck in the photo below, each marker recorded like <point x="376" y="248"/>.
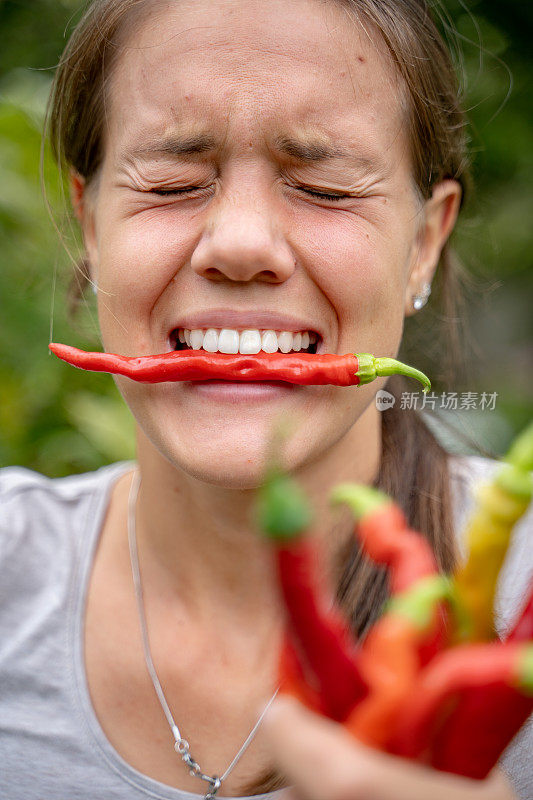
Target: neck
<point x="198" y="543"/>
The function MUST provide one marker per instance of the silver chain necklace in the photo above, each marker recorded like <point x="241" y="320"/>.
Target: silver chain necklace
<point x="181" y="745"/>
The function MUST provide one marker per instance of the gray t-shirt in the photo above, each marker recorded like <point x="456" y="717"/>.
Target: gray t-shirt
<point x="51" y="744"/>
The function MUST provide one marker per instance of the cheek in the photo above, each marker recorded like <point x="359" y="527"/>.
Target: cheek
<point x="143" y="252"/>
<point x="360" y="268"/>
<point x="138" y="259"/>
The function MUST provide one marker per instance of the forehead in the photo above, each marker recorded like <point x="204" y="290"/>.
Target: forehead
<point x="245" y="68"/>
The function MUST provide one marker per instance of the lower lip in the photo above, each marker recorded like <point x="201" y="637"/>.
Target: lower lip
<point x="239" y="391"/>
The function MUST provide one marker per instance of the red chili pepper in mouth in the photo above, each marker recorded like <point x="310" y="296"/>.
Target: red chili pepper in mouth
<point x="305" y="369"/>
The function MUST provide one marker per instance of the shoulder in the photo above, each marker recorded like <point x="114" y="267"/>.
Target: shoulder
<point x="516" y="575"/>
<point x="26" y="495"/>
<point x="41" y="517"/>
<point x="17" y="482"/>
<point x="466" y="473"/>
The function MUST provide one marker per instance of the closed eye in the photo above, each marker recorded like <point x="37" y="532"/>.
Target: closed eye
<point x="324" y="195"/>
<point x="176" y="191"/>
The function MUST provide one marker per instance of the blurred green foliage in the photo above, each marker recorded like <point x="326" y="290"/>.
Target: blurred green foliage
<point x="59" y="420"/>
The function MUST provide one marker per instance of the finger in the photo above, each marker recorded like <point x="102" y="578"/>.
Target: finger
<point x="316" y="755"/>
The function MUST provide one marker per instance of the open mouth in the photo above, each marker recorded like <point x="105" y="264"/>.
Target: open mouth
<point x="257" y="342"/>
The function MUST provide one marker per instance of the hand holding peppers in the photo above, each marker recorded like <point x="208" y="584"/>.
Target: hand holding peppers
<point x="424" y="689"/>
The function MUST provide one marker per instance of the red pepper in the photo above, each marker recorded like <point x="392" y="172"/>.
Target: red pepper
<point x="440" y="687"/>
<point x="326" y="671"/>
<point x="522" y="630"/>
<point x="397" y="645"/>
<point x="389" y="664"/>
<point x="483" y="725"/>
<point x="410" y="633"/>
<point x="386" y="538"/>
<point x="292" y="680"/>
<point x="191" y="365"/>
<point x="485" y="719"/>
<point x="320" y="636"/>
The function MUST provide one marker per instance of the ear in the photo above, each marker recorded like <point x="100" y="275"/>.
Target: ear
<point x="83" y="209"/>
<point x="439" y="216"/>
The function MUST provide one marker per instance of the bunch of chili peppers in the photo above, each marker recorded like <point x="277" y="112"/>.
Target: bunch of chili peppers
<point x="430" y="681"/>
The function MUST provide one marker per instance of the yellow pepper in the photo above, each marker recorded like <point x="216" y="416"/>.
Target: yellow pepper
<point x="500" y="504"/>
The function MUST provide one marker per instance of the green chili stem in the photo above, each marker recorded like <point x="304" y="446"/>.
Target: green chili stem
<point x="371" y="367"/>
<point x="360" y="498"/>
<point x="521" y="450"/>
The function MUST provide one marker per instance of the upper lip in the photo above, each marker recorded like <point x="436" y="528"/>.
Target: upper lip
<point x="230" y="318"/>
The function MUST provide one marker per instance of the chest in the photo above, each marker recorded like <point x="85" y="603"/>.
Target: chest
<point x="214" y="694"/>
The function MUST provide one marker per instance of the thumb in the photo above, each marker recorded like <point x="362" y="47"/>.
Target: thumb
<point x="315" y="754"/>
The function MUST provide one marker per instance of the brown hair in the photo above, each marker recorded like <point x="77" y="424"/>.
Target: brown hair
<point x="414" y="466"/>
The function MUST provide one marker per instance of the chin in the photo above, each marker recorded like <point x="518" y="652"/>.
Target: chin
<point x="212" y="456"/>
<point x="227" y="473"/>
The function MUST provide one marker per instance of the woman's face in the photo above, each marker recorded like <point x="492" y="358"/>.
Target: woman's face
<point x="256" y="160"/>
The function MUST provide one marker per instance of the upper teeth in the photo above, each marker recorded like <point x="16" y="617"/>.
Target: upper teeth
<point x="250" y="341"/>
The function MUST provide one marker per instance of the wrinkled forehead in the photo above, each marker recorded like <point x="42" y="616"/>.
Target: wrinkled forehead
<point x="246" y="65"/>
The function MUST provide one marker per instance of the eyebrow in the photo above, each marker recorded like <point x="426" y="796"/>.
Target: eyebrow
<point x="176" y="145"/>
<point x="303" y="149"/>
<point x="309" y="150"/>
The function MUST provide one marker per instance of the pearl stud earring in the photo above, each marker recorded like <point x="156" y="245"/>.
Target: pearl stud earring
<point x="420" y="299"/>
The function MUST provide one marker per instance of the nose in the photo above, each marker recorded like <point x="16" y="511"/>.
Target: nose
<point x="243" y="240"/>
